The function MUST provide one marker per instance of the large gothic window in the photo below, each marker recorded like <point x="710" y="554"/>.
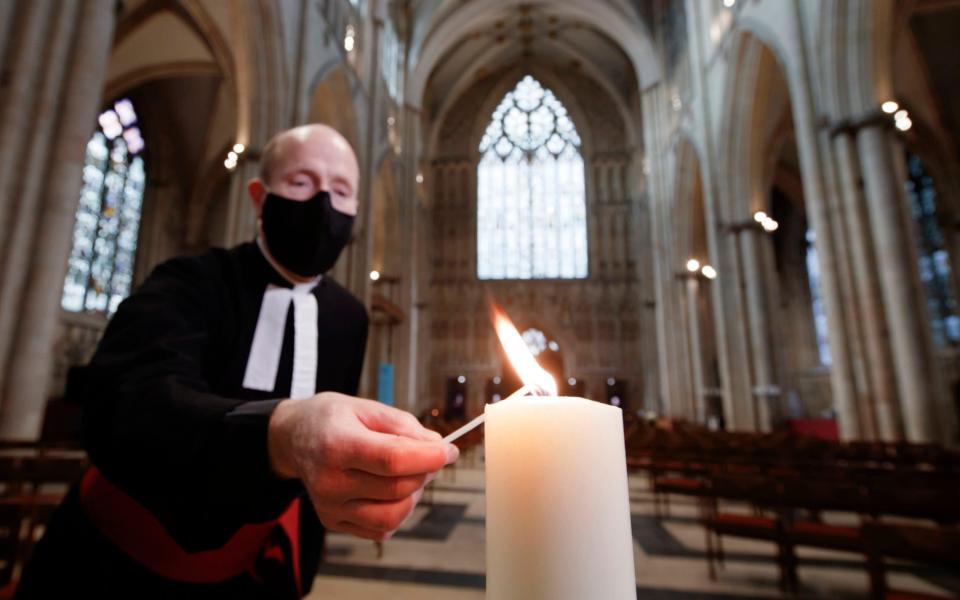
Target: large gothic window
<point x="934" y="258"/>
<point x="100" y="269"/>
<point x="531" y="208"/>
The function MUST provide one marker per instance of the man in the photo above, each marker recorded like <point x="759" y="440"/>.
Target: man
<point x="216" y="460"/>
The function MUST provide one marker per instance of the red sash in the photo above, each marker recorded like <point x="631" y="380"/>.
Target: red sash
<point x="134" y="529"/>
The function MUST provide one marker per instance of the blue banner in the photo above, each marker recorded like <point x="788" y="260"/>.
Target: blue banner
<point x="385" y="383"/>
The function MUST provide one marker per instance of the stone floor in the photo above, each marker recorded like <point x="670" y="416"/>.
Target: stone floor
<point x="439" y="553"/>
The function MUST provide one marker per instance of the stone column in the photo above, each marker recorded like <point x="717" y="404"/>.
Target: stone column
<point x="869" y="297"/>
<point x="696" y="353"/>
<point x="758" y="314"/>
<point x="899" y="280"/>
<point x="652" y="101"/>
<point x="21" y="193"/>
<point x="866" y="425"/>
<point x="407" y="341"/>
<point x="727" y="297"/>
<point x="25" y="68"/>
<point x="800" y="79"/>
<point x="21" y="416"/>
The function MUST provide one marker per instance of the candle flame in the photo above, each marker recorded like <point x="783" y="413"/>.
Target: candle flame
<point x="532" y="374"/>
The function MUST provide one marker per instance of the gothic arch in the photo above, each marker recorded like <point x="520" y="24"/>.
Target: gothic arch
<point x="332" y="102"/>
<point x="745" y="136"/>
<point x="592" y="71"/>
<point x="440" y="36"/>
<point x="856" y="55"/>
<point x="689" y="213"/>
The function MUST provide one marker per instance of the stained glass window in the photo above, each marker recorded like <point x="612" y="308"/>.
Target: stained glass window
<point x="934" y="258"/>
<point x="100" y="268"/>
<point x="820" y="325"/>
<point x="531" y="208"/>
<point x="537" y="342"/>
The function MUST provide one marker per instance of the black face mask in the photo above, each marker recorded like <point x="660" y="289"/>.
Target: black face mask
<point x="305" y="237"/>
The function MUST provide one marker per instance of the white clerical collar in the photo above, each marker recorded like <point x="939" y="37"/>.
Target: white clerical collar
<point x="264" y="358"/>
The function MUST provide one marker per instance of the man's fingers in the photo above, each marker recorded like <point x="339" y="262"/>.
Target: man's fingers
<point x="378" y="516"/>
<point x="386" y="419"/>
<point x="393" y="456"/>
<point x="363" y="532"/>
<point x="368" y="486"/>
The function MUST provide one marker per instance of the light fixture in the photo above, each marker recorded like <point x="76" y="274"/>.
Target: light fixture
<point x="709" y="272"/>
<point x="729" y="3"/>
<point x="374" y="275"/>
<point x="769" y="225"/>
<point x="461" y="379"/>
<point x="349" y="39"/>
<point x="901" y="120"/>
<point x="419" y="178"/>
<point x="760" y="216"/>
<point x="693" y="265"/>
<point x="611" y="381"/>
<point x="572" y="381"/>
<point x="239" y="148"/>
<point x="889" y="107"/>
<point x="496" y="380"/>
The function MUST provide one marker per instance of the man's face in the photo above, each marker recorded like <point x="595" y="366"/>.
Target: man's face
<point x="317" y="160"/>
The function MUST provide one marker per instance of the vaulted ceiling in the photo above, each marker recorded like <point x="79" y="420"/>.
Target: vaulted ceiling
<point x="456" y="42"/>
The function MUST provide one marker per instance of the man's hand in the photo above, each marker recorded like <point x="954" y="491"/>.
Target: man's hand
<point x="363" y="463"/>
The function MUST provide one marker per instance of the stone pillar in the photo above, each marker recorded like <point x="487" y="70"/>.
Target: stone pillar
<point x="899" y="280"/>
<point x="727" y="297"/>
<point x="21" y="193"/>
<point x="863" y="409"/>
<point x="869" y="298"/>
<point x="696" y="353"/>
<point x="24" y="68"/>
<point x="653" y="101"/>
<point x="801" y="83"/>
<point x="410" y="215"/>
<point x="21" y="415"/>
<point x="734" y="324"/>
<point x="757" y="309"/>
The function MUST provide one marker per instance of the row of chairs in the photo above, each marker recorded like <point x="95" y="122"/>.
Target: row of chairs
<point x="789" y="513"/>
<point x="33" y="482"/>
<point x="790" y="482"/>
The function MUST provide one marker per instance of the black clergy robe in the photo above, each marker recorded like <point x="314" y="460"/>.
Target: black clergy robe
<point x="167" y="420"/>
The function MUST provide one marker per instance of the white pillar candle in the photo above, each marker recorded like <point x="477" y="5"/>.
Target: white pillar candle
<point x="558" y="506"/>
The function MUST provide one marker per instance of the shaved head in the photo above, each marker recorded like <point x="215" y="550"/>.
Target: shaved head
<point x="286" y="144"/>
<point x="299" y="163"/>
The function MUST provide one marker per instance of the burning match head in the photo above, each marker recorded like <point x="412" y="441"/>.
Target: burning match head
<point x="537" y="390"/>
<point x="532" y="374"/>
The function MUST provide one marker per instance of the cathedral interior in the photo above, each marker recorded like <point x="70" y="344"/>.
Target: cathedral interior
<point x="736" y="220"/>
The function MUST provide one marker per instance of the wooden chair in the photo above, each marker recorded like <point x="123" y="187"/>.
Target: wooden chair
<point x="928" y="545"/>
<point x="33" y="486"/>
<point x="766" y="497"/>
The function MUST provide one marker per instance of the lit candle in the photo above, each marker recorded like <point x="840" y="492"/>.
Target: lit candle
<point x="558" y="508"/>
